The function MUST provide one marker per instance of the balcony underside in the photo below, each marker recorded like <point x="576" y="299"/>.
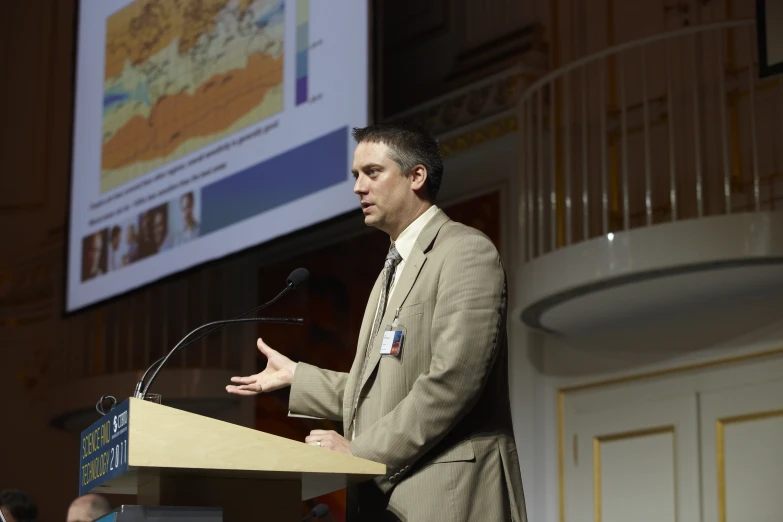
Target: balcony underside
<point x="722" y="275"/>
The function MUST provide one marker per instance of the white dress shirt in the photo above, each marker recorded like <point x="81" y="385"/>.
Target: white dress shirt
<point x="406" y="241"/>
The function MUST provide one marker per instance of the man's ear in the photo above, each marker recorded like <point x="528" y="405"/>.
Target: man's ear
<point x="418" y="177"/>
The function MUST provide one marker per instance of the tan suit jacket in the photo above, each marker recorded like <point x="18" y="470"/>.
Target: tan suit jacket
<point x="438" y="416"/>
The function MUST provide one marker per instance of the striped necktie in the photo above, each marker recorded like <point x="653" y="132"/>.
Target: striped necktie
<point x="393" y="258"/>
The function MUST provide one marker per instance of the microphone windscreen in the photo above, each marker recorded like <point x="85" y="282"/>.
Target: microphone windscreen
<point x="298" y="277"/>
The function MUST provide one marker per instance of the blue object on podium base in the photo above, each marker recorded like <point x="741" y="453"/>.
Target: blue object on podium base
<point x="163" y="514"/>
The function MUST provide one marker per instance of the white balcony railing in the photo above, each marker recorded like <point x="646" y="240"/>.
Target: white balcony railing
<point x="672" y="127"/>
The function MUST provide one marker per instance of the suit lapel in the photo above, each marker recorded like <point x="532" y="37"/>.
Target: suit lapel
<point x="410" y="273"/>
<point x="369" y="315"/>
<point x="361" y="350"/>
<point x="430" y="232"/>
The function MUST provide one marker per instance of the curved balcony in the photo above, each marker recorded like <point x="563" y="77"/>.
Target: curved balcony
<point x="651" y="173"/>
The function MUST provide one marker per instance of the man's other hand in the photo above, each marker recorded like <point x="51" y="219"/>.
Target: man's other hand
<point x="330" y="440"/>
<point x="279" y="373"/>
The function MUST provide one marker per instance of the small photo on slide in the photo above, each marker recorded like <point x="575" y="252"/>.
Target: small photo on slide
<point x="94" y="254"/>
<point x="123" y="244"/>
<point x="185" y="217"/>
<point x="161" y="233"/>
<point x="154" y="235"/>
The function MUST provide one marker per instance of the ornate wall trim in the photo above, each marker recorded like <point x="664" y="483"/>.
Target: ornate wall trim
<point x="494" y="129"/>
<point x="489" y="100"/>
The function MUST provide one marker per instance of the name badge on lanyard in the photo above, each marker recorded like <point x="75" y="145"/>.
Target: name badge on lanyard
<point x="393" y="338"/>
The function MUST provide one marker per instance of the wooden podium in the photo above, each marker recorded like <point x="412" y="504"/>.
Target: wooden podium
<point x="170" y="457"/>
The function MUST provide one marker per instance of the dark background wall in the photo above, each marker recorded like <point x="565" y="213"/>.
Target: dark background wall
<point x="423" y="50"/>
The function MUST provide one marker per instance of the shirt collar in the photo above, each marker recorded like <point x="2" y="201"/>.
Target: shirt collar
<point x="408" y="237"/>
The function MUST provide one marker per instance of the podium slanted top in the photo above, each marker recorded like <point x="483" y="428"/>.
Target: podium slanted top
<point x="140" y="439"/>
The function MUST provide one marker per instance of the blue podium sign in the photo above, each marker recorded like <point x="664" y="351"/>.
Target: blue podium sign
<point x="104" y="449"/>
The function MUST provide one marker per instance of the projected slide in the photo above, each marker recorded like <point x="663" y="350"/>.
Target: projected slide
<point x="181" y="75"/>
<point x="204" y="127"/>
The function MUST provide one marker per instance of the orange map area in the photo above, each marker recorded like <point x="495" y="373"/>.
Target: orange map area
<point x="175" y="119"/>
<point x="181" y="74"/>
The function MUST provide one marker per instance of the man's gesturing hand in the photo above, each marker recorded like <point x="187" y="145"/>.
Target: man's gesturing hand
<point x="330" y="440"/>
<point x="279" y="373"/>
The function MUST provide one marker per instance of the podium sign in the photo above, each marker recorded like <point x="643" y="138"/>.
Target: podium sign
<point x="103" y="453"/>
<point x="179" y="458"/>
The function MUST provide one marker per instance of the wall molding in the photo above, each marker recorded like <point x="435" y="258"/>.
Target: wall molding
<point x="684" y="368"/>
<point x="474" y="103"/>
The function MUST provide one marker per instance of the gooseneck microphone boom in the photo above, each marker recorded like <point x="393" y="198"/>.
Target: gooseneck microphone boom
<point x="294" y="281"/>
<point x="293" y="320"/>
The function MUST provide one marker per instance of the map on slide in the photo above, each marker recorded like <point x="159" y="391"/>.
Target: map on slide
<point x="181" y="74"/>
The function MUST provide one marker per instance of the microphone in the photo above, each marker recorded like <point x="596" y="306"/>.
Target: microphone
<point x="284" y="320"/>
<point x="295" y="279"/>
<point x="319" y="511"/>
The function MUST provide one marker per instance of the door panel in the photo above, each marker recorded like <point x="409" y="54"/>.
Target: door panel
<point x="742" y="453"/>
<point x="638" y="462"/>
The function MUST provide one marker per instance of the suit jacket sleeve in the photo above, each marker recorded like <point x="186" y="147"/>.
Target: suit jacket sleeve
<point x="466" y="326"/>
<point x="317" y="393"/>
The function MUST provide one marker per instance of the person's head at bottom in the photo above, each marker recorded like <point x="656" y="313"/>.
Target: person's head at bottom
<point x="88" y="508"/>
<point x="17" y="506"/>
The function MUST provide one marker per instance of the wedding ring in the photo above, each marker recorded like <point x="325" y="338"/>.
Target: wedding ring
<point x="318" y="443"/>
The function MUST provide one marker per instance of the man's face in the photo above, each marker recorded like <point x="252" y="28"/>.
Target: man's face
<point x="158" y="228"/>
<point x="386" y="196"/>
<point x="186" y="205"/>
<point x="144" y="226"/>
<point x="97" y="246"/>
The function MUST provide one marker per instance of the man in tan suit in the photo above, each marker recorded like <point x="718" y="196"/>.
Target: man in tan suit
<point x="436" y="412"/>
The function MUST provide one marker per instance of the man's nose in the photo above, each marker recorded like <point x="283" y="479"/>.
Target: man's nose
<point x="359" y="186"/>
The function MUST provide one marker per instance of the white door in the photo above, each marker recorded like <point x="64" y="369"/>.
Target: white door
<point x="742" y="453"/>
<point x="638" y="463"/>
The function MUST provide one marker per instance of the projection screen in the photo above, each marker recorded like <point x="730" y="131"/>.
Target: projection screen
<point x="202" y="128"/>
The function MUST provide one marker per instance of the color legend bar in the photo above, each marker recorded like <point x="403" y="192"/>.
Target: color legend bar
<point x="302" y="45"/>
